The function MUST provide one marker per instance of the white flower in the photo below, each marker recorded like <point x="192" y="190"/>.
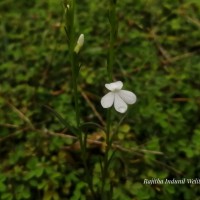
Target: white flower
<point x="119" y="97"/>
<point x="80" y="43"/>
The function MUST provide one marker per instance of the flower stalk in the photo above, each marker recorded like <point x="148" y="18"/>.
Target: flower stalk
<point x="74" y="58"/>
<point x="111" y="58"/>
<point x="70" y="32"/>
<point x="113" y="36"/>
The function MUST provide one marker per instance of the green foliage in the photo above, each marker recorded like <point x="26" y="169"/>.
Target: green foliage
<point x="158" y="59"/>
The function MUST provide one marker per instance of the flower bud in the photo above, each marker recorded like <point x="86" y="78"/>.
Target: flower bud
<point x="79" y="44"/>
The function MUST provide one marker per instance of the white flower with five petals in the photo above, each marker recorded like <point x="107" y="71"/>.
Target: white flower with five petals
<point x="120" y="98"/>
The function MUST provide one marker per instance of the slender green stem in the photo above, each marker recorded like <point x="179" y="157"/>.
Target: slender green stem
<point x="75" y="91"/>
<point x="113" y="33"/>
<point x="111" y="56"/>
<point x="106" y="156"/>
<point x="108" y="123"/>
<point x="70" y="30"/>
<point x="111" y="59"/>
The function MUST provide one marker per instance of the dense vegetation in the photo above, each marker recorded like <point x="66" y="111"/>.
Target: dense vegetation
<point x="158" y="59"/>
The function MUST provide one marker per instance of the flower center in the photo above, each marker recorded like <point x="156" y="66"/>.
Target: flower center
<point x="116" y="90"/>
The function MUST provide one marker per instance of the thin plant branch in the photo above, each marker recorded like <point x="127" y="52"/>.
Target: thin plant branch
<point x="92" y="107"/>
<point x="21" y="115"/>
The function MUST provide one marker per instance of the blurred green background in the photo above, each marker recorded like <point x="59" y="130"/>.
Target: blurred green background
<point x="157" y="57"/>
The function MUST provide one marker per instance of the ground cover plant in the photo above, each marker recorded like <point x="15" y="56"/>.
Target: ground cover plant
<point x="156" y="57"/>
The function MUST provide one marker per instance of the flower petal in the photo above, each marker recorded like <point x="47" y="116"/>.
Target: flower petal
<point x="107" y="100"/>
<point x="114" y="86"/>
<point x="127" y="96"/>
<point x="119" y="104"/>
